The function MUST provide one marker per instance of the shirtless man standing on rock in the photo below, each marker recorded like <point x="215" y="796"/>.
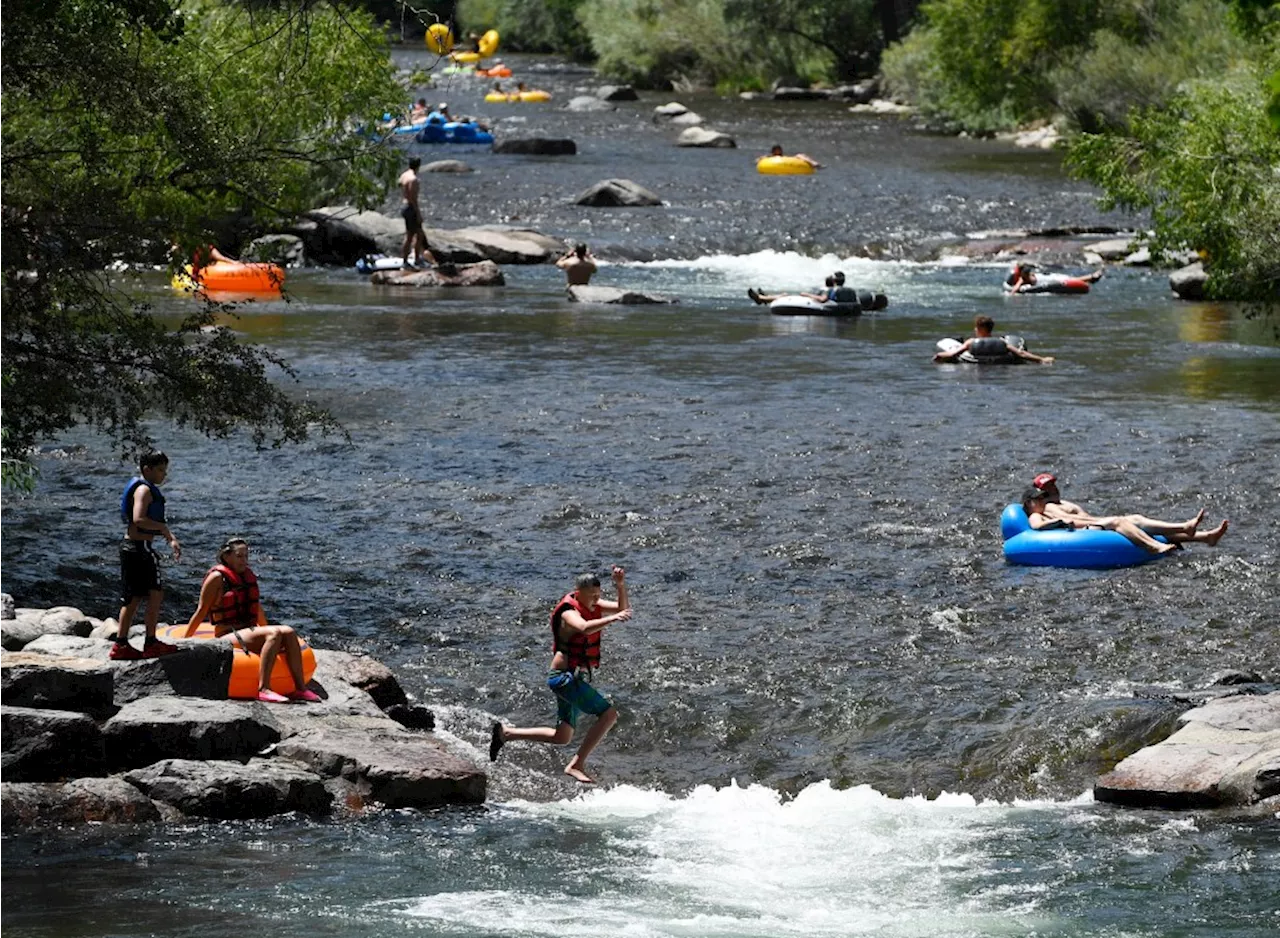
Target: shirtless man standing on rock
<point x="415" y="236"/>
<point x="578" y="266"/>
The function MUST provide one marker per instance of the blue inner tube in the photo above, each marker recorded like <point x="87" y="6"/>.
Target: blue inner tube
<point x="1086" y="550"/>
<point x="453" y="132"/>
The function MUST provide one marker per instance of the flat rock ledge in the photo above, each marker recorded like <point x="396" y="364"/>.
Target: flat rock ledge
<point x="1226" y="754"/>
<point x="483" y="274"/>
<point x="84" y="739"/>
<point x="616" y="297"/>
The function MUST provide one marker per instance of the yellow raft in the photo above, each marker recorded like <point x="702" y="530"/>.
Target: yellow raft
<point x="439" y="38"/>
<point x="497" y="97"/>
<point x="466" y="58"/>
<point x="783" y="166"/>
<point x="488" y="44"/>
<point x="243" y="683"/>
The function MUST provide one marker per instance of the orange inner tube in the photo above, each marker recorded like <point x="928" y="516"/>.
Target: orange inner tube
<point x="234" y="277"/>
<point x="243" y="683"/>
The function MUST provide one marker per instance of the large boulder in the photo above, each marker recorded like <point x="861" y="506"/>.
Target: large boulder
<point x="340" y="234"/>
<point x="1188" y="282"/>
<point x="286" y="250"/>
<point x="360" y="671"/>
<point x="57" y="682"/>
<point x="447" y="166"/>
<point x="80" y="801"/>
<point x="617" y="192"/>
<point x="616" y="297"/>
<point x="394" y="766"/>
<point x="702" y="137"/>
<point x="231" y="790"/>
<point x="26" y="625"/>
<point x="200" y="669"/>
<point x="1110" y="249"/>
<point x="483" y="274"/>
<point x="668" y="111"/>
<point x="504" y="244"/>
<point x="588" y="102"/>
<point x="536" y="146"/>
<point x="157" y="728"/>
<point x="862" y="92"/>
<point x="1226" y="753"/>
<point x="617" y="93"/>
<point x="48" y="745"/>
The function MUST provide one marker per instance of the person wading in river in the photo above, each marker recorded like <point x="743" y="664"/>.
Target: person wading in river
<point x="577" y="621"/>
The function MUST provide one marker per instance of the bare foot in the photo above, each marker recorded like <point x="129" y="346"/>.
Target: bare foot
<point x="1212" y="537"/>
<point x="576" y="773"/>
<point x="1194" y="522"/>
<point x="1165" y="548"/>
<point x="1093" y="277"/>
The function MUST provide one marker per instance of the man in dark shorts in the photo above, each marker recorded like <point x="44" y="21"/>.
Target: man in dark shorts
<point x="576" y="623"/>
<point x="142" y="513"/>
<point x="415" y="236"/>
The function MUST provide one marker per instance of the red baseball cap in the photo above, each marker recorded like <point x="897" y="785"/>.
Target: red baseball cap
<point x="1044" y="479"/>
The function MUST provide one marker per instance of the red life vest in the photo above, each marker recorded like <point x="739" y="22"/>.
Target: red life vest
<point x="583" y="651"/>
<point x="239" y="606"/>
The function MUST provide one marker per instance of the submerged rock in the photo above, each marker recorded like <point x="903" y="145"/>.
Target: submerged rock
<point x="537" y="146"/>
<point x="617" y="93"/>
<point x="617" y="297"/>
<point x="669" y="110"/>
<point x="702" y="137"/>
<point x="447" y="166"/>
<point x="617" y="192"/>
<point x="588" y="102"/>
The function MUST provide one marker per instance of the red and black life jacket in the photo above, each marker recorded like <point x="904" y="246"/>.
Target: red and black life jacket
<point x="582" y="651"/>
<point x="239" y="606"/>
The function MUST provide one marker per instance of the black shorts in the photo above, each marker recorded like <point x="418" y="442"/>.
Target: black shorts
<point x="412" y="219"/>
<point x="139" y="570"/>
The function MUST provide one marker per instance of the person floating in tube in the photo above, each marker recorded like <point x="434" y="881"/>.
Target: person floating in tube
<point x="826" y="296"/>
<point x="1023" y="275"/>
<point x="776" y="150"/>
<point x="577" y="622"/>
<point x="1047" y="511"/>
<point x="985" y="345"/>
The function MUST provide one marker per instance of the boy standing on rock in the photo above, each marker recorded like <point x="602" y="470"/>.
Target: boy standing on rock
<point x="142" y="512"/>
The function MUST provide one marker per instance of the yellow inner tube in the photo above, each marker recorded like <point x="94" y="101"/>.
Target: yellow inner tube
<point x="439" y="38"/>
<point x="465" y="57"/>
<point x="535" y="95"/>
<point x="488" y="43"/>
<point x="783" y="166"/>
<point x="497" y="97"/>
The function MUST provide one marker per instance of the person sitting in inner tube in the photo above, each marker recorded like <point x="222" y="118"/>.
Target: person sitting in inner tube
<point x="229" y="599"/>
<point x="1047" y="511"/>
<point x="1022" y="274"/>
<point x="419" y="111"/>
<point x="776" y="150"/>
<point x="827" y="296"/>
<point x="986" y="347"/>
<point x="441" y="115"/>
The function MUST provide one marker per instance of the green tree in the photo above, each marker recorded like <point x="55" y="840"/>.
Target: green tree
<point x="848" y="32"/>
<point x="130" y="126"/>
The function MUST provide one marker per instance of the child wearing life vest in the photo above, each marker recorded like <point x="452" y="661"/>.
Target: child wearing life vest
<point x="577" y="622"/>
<point x="142" y="513"/>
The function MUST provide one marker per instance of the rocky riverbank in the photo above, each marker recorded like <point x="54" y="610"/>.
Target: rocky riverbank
<point x="88" y="739"/>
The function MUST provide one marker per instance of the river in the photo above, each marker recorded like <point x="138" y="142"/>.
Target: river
<point x="842" y="713"/>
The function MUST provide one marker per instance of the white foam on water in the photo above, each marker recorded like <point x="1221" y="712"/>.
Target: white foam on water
<point x="778" y="271"/>
<point x="739" y="861"/>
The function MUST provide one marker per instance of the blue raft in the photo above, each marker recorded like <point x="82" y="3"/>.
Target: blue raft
<point x="1087" y="550"/>
<point x="453" y="132"/>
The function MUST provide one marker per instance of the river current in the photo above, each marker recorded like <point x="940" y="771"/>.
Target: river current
<point x="842" y="713"/>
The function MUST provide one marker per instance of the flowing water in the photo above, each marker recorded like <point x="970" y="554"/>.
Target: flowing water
<point x="841" y="712"/>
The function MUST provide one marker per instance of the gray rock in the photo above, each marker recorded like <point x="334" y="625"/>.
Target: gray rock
<point x="802" y="94"/>
<point x="80" y="801"/>
<point x="283" y="249"/>
<point x="201" y="669"/>
<point x="157" y="728"/>
<point x="48" y="745"/>
<point x="1139" y="258"/>
<point x="666" y="111"/>
<point x="617" y="192"/>
<point x="230" y="790"/>
<point x="862" y="92"/>
<point x="56" y="682"/>
<point x="447" y="166"/>
<point x="412" y="716"/>
<point x="1226" y="753"/>
<point x="6" y="606"/>
<point x="1233" y="678"/>
<point x="687" y="119"/>
<point x="26" y="625"/>
<point x="1112" y="249"/>
<point x="483" y="274"/>
<point x="616" y="297"/>
<point x="396" y="767"/>
<point x="617" y="93"/>
<point x="340" y="234"/>
<point x="536" y="146"/>
<point x="701" y="137"/>
<point x="504" y="244"/>
<point x="588" y="102"/>
<point x="360" y="671"/>
<point x="1188" y="282"/>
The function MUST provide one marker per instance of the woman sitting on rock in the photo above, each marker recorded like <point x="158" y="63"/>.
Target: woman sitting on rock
<point x="229" y="599"/>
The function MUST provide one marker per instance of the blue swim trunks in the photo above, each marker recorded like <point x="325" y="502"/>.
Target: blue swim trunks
<point x="574" y="695"/>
